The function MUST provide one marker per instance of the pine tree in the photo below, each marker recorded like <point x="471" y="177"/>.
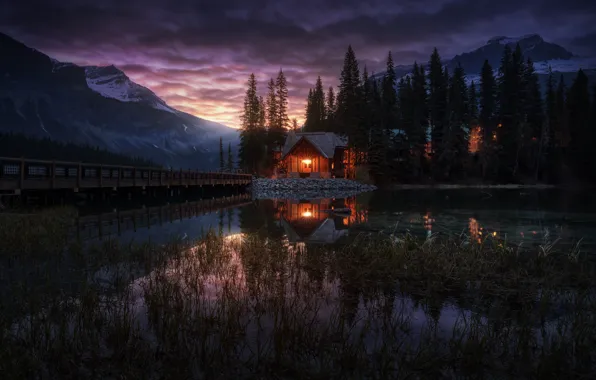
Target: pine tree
<point x="418" y="133"/>
<point x="221" y="155"/>
<point x="487" y="119"/>
<point x="510" y="134"/>
<point x="230" y="163"/>
<point x="330" y="110"/>
<point x="316" y="109"/>
<point x="282" y="101"/>
<point x="252" y="147"/>
<point x="272" y="113"/>
<point x="262" y="113"/>
<point x="562" y="130"/>
<point x="378" y="148"/>
<point x="348" y="99"/>
<point x="437" y="102"/>
<point x="475" y="131"/>
<point x="581" y="133"/>
<point x="551" y="125"/>
<point x="309" y="117"/>
<point x="535" y="134"/>
<point x="389" y="98"/>
<point x="459" y="116"/>
<point x="319" y="104"/>
<point x="295" y="125"/>
<point x="361" y="135"/>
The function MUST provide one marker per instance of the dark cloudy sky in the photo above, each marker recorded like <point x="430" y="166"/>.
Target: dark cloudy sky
<point x="197" y="55"/>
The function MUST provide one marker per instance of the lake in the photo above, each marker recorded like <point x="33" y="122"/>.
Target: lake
<point x="518" y="216"/>
<point x="320" y="288"/>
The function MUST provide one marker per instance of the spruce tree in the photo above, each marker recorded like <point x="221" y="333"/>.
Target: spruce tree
<point x="316" y="109"/>
<point x="282" y="101"/>
<point x="420" y="115"/>
<point x="348" y="98"/>
<point x="272" y="113"/>
<point x="361" y="135"/>
<point x="437" y="103"/>
<point x="562" y="130"/>
<point x="475" y="131"/>
<point x="378" y="148"/>
<point x="252" y="147"/>
<point x="488" y="98"/>
<point x="534" y="132"/>
<point x="295" y="125"/>
<point x="262" y="113"/>
<point x="459" y="116"/>
<point x="330" y="110"/>
<point x="221" y="155"/>
<point x="551" y="125"/>
<point x="580" y="131"/>
<point x="389" y="98"/>
<point x="309" y="117"/>
<point x="230" y="163"/>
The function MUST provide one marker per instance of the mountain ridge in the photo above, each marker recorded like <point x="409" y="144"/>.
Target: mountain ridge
<point x="100" y="106"/>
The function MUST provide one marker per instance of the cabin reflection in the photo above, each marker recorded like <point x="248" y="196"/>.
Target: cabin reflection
<point x="320" y="221"/>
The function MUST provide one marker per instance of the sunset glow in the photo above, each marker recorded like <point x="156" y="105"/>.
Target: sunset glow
<point x="197" y="56"/>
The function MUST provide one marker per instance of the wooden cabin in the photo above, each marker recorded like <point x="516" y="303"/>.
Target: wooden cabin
<point x="314" y="154"/>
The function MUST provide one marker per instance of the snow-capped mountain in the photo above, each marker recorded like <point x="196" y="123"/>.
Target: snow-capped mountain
<point x="543" y="53"/>
<point x="100" y="106"/>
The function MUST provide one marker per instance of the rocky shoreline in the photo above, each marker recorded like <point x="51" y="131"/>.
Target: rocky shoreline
<point x="306" y="188"/>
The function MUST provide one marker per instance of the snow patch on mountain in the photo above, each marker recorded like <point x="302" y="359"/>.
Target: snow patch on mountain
<point x="503" y="40"/>
<point x="112" y="84"/>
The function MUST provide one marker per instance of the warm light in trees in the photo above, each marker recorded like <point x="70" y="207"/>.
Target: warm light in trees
<point x="475" y="139"/>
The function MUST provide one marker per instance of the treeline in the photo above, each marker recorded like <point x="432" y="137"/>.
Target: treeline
<point x="436" y="127"/>
<point x="17" y="145"/>
<point x="264" y="125"/>
<point x="431" y="125"/>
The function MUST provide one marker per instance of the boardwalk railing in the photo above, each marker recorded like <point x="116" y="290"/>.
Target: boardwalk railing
<point x="23" y="174"/>
<point x="117" y="222"/>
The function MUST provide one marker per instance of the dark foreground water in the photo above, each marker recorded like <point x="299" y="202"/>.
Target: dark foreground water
<point x="272" y="294"/>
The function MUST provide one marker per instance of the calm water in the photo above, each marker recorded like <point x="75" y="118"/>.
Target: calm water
<point x="526" y="217"/>
<point x="284" y="298"/>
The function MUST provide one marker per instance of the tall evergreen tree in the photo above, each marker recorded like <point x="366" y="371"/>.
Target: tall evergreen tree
<point x="581" y="133"/>
<point x="282" y="101"/>
<point x="272" y="113"/>
<point x="309" y="116"/>
<point x="475" y="131"/>
<point x="348" y="99"/>
<point x="420" y="116"/>
<point x="535" y="136"/>
<point x="378" y="148"/>
<point x="252" y="149"/>
<point x="510" y="134"/>
<point x="295" y="125"/>
<point x="330" y="110"/>
<point x="316" y="109"/>
<point x="389" y="98"/>
<point x="221" y="155"/>
<point x="437" y="103"/>
<point x="230" y="163"/>
<point x="262" y="113"/>
<point x="488" y="107"/>
<point x="362" y="134"/>
<point x="459" y="116"/>
<point x="551" y="119"/>
<point x="562" y="130"/>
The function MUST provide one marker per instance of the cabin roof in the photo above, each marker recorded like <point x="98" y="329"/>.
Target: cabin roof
<point x="324" y="142"/>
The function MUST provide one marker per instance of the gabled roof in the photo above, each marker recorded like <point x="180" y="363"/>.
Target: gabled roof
<point x="324" y="142"/>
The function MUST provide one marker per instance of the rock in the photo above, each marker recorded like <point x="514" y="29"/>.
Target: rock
<point x="306" y="188"/>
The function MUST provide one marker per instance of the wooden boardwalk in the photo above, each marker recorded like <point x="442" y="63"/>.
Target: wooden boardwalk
<point x="17" y="175"/>
<point x="115" y="223"/>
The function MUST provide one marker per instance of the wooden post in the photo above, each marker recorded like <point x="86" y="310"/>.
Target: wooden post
<point x="53" y="169"/>
<point x="79" y="175"/>
<point x="22" y="174"/>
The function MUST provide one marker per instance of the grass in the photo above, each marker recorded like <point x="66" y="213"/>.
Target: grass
<point x="252" y="307"/>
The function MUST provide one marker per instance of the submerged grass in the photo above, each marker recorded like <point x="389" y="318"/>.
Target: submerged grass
<point x="252" y="307"/>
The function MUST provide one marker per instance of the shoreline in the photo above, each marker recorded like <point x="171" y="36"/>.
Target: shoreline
<point x="468" y="186"/>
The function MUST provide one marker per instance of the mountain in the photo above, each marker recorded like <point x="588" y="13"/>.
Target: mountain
<point x="544" y="54"/>
<point x="100" y="106"/>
